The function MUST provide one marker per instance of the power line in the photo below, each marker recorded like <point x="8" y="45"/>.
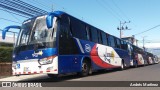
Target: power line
<point x="15" y="10"/>
<point x="42" y="2"/>
<point x="147" y="30"/>
<point x="116" y="13"/>
<point x="15" y="17"/>
<point x="13" y="13"/>
<point x="39" y="4"/>
<point x="10" y="20"/>
<point x="21" y="7"/>
<point x="107" y="9"/>
<point x="30" y="6"/>
<point x="120" y="10"/>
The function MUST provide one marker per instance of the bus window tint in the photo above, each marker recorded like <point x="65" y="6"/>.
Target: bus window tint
<point x="125" y="46"/>
<point x="78" y="29"/>
<point x="65" y="39"/>
<point x="122" y="45"/>
<point x="104" y="38"/>
<point x="99" y="37"/>
<point x="112" y="42"/>
<point x="87" y="33"/>
<point x="118" y="44"/>
<point x="94" y="35"/>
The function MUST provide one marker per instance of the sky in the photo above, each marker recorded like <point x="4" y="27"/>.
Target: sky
<point x="105" y="15"/>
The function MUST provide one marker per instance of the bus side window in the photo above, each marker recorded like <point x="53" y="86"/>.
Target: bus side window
<point x="112" y="42"/>
<point x="118" y="44"/>
<point x="87" y="33"/>
<point x="122" y="45"/>
<point x="78" y="29"/>
<point x="115" y="41"/>
<point x="94" y="35"/>
<point x="99" y="36"/>
<point x="108" y="41"/>
<point x="125" y="46"/>
<point x="104" y="38"/>
<point x="65" y="38"/>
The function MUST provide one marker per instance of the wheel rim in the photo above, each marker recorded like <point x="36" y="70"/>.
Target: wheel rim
<point x="122" y="66"/>
<point x="84" y="67"/>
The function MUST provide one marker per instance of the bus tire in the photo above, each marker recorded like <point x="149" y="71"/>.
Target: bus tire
<point x="122" y="65"/>
<point x="85" y="68"/>
<point x="136" y="65"/>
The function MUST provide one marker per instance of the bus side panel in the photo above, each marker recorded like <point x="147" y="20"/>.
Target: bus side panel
<point x="124" y="55"/>
<point x="140" y="59"/>
<point x="105" y="57"/>
<point x="102" y="56"/>
<point x="69" y="63"/>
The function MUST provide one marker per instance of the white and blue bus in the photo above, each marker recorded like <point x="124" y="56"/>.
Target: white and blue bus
<point x="59" y="43"/>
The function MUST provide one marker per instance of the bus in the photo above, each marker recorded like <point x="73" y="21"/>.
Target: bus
<point x="150" y="58"/>
<point x="156" y="59"/>
<point x="140" y="56"/>
<point x="58" y="43"/>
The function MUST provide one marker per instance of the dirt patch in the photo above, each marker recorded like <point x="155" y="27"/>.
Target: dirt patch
<point x="5" y="69"/>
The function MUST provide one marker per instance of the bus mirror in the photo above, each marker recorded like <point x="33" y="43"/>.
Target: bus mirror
<point x="49" y="19"/>
<point x="6" y="30"/>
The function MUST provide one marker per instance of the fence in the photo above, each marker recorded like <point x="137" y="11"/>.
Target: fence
<point x="5" y="69"/>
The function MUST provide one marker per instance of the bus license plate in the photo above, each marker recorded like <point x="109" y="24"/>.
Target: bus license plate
<point x="26" y="69"/>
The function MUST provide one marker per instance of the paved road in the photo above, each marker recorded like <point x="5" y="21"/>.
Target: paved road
<point x="147" y="73"/>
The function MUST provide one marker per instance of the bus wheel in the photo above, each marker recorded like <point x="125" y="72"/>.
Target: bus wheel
<point x="136" y="64"/>
<point x="85" y="68"/>
<point x="122" y="65"/>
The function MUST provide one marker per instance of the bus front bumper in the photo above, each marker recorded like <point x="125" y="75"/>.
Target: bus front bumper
<point x="32" y="66"/>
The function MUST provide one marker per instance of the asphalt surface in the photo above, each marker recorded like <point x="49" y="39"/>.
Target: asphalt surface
<point x="146" y="73"/>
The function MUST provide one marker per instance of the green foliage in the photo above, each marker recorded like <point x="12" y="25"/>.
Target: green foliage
<point x="6" y="44"/>
<point x="6" y="54"/>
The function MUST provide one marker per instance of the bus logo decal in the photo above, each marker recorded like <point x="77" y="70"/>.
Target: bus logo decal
<point x="87" y="48"/>
<point x="36" y="54"/>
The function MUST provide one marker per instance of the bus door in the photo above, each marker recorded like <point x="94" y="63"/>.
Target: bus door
<point x="68" y="55"/>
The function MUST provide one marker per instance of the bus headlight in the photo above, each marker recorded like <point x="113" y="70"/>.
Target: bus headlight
<point x="13" y="56"/>
<point x="47" y="60"/>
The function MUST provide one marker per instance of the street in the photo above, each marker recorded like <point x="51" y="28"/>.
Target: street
<point x="146" y="73"/>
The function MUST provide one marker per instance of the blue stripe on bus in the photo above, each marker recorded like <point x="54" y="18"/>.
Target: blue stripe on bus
<point x="30" y="54"/>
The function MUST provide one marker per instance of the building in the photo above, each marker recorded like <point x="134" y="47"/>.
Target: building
<point x="131" y="40"/>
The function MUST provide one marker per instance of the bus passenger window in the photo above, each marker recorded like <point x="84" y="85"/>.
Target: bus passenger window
<point x="118" y="43"/>
<point x="122" y="45"/>
<point x="125" y="46"/>
<point x="104" y="38"/>
<point x="112" y="42"/>
<point x="99" y="37"/>
<point x="78" y="29"/>
<point x="87" y="33"/>
<point x="94" y="35"/>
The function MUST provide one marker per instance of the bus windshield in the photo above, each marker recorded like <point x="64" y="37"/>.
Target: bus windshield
<point x="35" y="31"/>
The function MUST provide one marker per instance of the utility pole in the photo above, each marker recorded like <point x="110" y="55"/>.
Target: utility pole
<point x="143" y="42"/>
<point x="120" y="28"/>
